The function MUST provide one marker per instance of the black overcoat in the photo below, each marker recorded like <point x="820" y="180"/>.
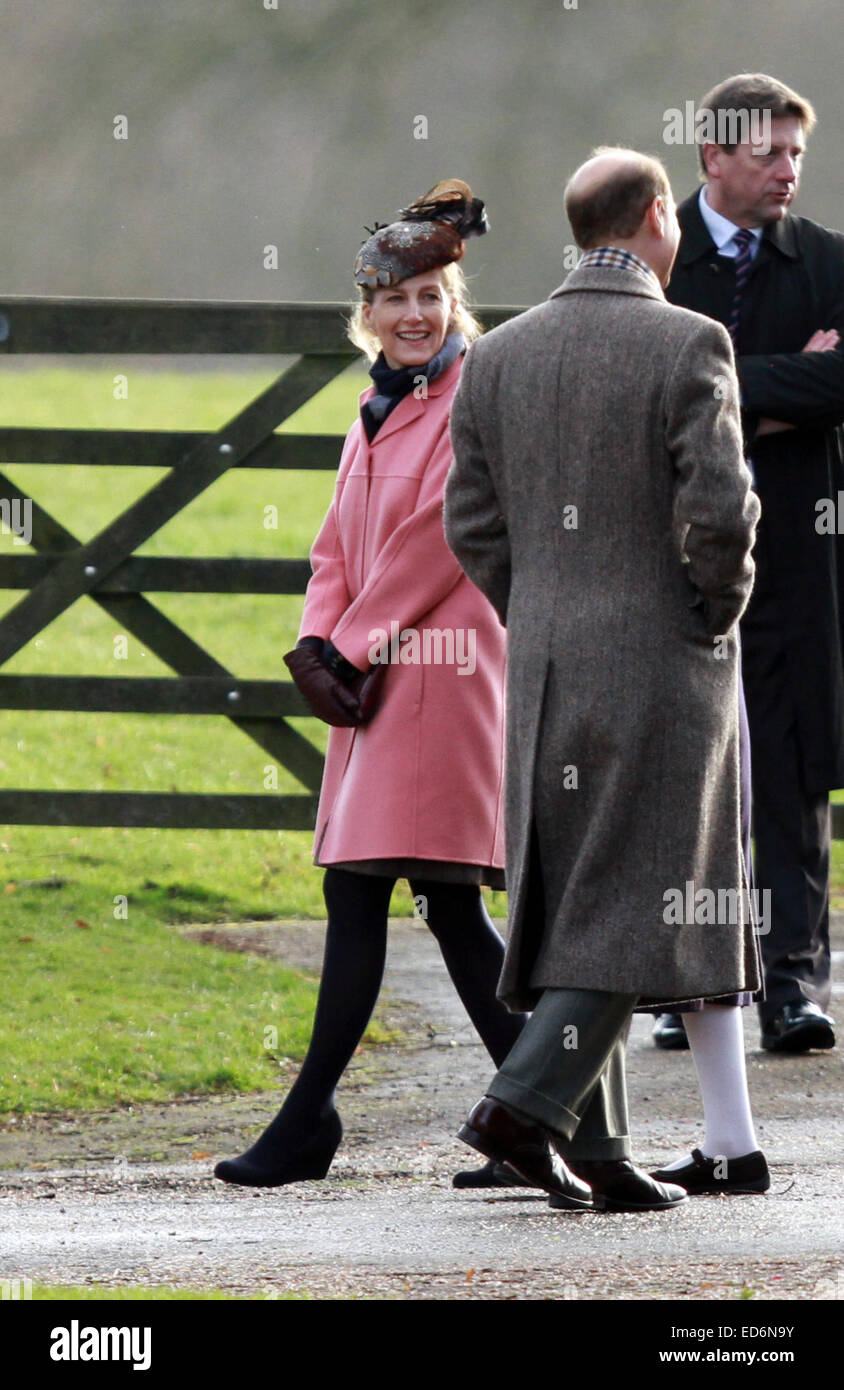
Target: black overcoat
<point x="795" y="286"/>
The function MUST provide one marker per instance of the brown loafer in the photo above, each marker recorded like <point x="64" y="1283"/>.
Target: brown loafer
<point x="618" y="1185"/>
<point x="498" y="1132"/>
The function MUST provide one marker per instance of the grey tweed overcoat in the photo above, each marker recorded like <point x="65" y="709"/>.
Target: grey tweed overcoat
<point x="600" y="499"/>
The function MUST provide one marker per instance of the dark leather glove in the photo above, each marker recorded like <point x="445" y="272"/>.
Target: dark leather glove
<point x="329" y="701"/>
<point x="329" y="698"/>
<point x="316" y="643"/>
<point x="366" y="684"/>
<point x="339" y="666"/>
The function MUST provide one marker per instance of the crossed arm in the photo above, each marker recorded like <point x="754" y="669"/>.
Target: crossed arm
<point x="801" y="390"/>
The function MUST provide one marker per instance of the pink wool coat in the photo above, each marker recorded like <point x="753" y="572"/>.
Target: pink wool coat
<point x="424" y="779"/>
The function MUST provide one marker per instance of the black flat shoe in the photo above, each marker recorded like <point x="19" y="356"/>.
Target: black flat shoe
<point x="797" y="1028"/>
<point x="669" y="1032"/>
<point x="749" y="1173"/>
<point x="491" y="1175"/>
<point x="618" y="1185"/>
<point x="265" y="1165"/>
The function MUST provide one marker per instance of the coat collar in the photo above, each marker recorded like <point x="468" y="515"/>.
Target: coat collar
<point x="610" y="279"/>
<point x="697" y="242"/>
<point x="410" y="406"/>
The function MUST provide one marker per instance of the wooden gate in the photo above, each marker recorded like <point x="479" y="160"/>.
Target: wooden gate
<point x="106" y="569"/>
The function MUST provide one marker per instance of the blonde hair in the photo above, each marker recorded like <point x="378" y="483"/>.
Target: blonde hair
<point x="462" y="320"/>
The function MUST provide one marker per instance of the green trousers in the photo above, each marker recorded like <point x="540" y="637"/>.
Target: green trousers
<point x="566" y="1071"/>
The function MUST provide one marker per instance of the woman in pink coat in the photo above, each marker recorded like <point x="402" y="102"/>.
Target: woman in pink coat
<point x="405" y="658"/>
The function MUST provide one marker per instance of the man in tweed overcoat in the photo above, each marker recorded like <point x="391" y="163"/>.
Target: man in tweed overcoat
<point x="600" y="499"/>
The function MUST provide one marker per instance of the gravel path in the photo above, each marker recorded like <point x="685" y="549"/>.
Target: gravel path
<point x="127" y="1196"/>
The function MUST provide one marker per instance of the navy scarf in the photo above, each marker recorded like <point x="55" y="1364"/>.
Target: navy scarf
<point x="392" y="383"/>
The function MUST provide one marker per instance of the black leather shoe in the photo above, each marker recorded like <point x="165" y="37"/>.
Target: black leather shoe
<point x="498" y="1132"/>
<point x="797" y="1028"/>
<point x="618" y="1185"/>
<point x="670" y="1032"/>
<point x="491" y="1175"/>
<point x="749" y="1173"/>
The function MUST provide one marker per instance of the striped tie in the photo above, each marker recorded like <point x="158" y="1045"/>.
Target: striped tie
<point x="744" y="240"/>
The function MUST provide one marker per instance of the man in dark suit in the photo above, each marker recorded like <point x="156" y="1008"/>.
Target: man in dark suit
<point x="777" y="282"/>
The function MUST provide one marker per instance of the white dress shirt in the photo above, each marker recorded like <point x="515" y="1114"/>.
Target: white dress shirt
<point x="723" y="231"/>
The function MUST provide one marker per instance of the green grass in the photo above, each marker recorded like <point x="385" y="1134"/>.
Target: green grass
<point x="103" y="1011"/>
<point x="143" y="1293"/>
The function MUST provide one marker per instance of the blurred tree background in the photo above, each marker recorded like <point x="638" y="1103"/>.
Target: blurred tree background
<point x="253" y="124"/>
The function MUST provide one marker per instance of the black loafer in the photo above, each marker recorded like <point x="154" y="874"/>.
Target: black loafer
<point x="797" y="1028"/>
<point x="670" y="1032"/>
<point x="618" y="1185"/>
<point x="700" y="1175"/>
<point x="491" y="1175"/>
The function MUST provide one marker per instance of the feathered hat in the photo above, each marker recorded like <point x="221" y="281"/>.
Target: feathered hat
<point x="429" y="233"/>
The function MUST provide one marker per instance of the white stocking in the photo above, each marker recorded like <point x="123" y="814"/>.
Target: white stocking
<point x="716" y="1038"/>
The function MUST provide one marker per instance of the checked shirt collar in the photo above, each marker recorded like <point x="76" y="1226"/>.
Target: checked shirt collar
<point x="615" y="258"/>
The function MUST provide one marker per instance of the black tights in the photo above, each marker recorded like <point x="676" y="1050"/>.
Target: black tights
<point x="353" y="968"/>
